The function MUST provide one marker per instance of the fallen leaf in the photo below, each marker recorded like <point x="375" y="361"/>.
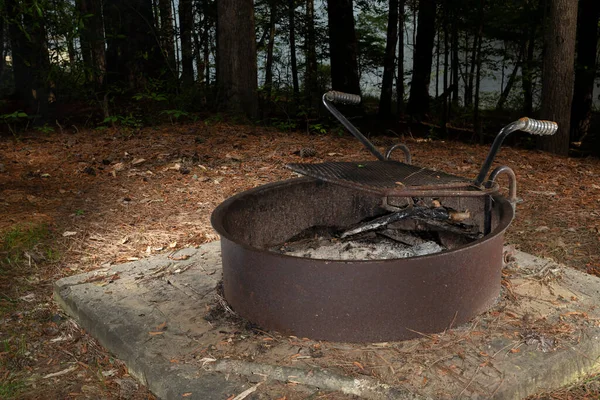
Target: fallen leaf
<point x="515" y="350"/>
<point x="188" y="394"/>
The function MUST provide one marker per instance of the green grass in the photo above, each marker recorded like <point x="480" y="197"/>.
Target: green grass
<point x="11" y="390"/>
<point x="19" y="239"/>
<point x="7" y="304"/>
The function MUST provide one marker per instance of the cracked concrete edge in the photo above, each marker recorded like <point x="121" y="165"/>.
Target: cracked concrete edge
<point x="564" y="367"/>
<point x="162" y="378"/>
<point x="323" y="379"/>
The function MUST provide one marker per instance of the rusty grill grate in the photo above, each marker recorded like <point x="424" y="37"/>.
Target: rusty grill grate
<point x="389" y="178"/>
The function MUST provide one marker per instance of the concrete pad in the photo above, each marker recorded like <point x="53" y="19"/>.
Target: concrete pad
<point x="163" y="317"/>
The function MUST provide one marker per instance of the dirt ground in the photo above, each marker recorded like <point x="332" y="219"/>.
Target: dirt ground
<point x="74" y="202"/>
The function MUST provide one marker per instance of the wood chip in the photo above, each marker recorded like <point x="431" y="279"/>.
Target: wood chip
<point x="60" y="373"/>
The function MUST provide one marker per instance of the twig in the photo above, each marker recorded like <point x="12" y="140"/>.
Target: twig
<point x="63" y="372"/>
<point x="247" y="392"/>
<point x="452" y="322"/>
<point x="422" y="334"/>
<point x="470" y="381"/>
<point x="496" y="390"/>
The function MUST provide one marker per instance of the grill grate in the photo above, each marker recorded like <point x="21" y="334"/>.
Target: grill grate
<point x="390" y="178"/>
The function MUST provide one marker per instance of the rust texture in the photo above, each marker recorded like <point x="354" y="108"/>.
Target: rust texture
<point x="392" y="178"/>
<point x="352" y="301"/>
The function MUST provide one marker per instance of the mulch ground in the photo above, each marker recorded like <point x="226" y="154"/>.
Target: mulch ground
<point x="74" y="202"/>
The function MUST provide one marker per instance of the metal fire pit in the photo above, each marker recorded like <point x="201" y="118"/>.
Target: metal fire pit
<point x="366" y="300"/>
<point x="353" y="301"/>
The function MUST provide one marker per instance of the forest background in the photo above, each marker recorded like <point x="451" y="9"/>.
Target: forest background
<point x="463" y="67"/>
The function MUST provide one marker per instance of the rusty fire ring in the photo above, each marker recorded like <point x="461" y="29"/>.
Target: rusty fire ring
<point x="353" y="301"/>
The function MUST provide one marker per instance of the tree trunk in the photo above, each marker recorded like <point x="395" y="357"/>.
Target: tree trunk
<point x="92" y="42"/>
<point x="311" y="84"/>
<point x="20" y="57"/>
<point x="71" y="52"/>
<point x="558" y="74"/>
<point x="343" y="47"/>
<point x="400" y="77"/>
<point x="31" y="62"/>
<point x="471" y="74"/>
<point x="236" y="61"/>
<point x="97" y="43"/>
<point x="206" y="55"/>
<point x="455" y="61"/>
<point x="512" y="78"/>
<point x="293" y="61"/>
<point x="84" y="39"/>
<point x="585" y="71"/>
<point x="527" y="75"/>
<point x="209" y="20"/>
<point x="133" y="49"/>
<point x="479" y="60"/>
<point x="197" y="56"/>
<point x="385" y="100"/>
<point x="186" y="26"/>
<point x="437" y="62"/>
<point x="418" y="103"/>
<point x="270" y="46"/>
<point x="2" y="47"/>
<point x="167" y="34"/>
<point x="446" y="70"/>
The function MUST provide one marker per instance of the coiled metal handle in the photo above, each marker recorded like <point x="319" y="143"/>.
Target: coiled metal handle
<point x="538" y="127"/>
<point x="342" y="98"/>
<point x="533" y="126"/>
<point x="345" y="98"/>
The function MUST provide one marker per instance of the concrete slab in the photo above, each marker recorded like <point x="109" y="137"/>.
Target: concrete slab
<point x="163" y="317"/>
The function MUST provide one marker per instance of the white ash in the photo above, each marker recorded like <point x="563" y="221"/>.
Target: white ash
<point x="380" y="249"/>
